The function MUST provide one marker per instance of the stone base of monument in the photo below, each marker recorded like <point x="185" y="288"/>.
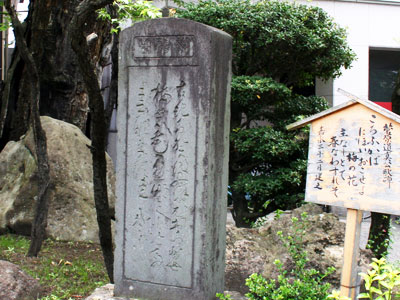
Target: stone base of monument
<point x="106" y="292"/>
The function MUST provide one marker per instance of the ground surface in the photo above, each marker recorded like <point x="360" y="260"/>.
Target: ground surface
<point x="394" y="248"/>
<point x="65" y="269"/>
<point x="73" y="270"/>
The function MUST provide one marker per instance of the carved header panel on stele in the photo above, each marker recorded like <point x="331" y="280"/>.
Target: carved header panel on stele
<point x="173" y="125"/>
<point x="354" y="160"/>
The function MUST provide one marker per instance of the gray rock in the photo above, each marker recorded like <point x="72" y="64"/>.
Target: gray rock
<point x="16" y="284"/>
<point x="72" y="214"/>
<point x="235" y="295"/>
<point x="255" y="250"/>
<point x="106" y="292"/>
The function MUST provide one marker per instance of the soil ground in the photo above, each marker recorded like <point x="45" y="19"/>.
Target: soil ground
<point x="65" y="269"/>
<point x="394" y="248"/>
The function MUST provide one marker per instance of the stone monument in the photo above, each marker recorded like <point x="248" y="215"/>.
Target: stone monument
<point x="172" y="168"/>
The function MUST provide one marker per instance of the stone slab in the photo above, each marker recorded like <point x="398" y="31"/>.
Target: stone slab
<point x="173" y="127"/>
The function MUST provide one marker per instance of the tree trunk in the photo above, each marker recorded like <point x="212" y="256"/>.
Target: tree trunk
<point x="98" y="125"/>
<point x="379" y="235"/>
<point x="62" y="89"/>
<point x="64" y="92"/>
<point x="113" y="94"/>
<point x="240" y="210"/>
<point x="41" y="208"/>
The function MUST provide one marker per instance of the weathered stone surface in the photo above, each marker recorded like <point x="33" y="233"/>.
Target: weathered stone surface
<point x="235" y="295"/>
<point x="16" y="284"/>
<point x="106" y="292"/>
<point x="72" y="214"/>
<point x="254" y="250"/>
<point x="173" y="119"/>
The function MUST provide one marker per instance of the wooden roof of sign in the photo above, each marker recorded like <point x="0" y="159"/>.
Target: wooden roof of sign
<point x="353" y="100"/>
<point x="354" y="157"/>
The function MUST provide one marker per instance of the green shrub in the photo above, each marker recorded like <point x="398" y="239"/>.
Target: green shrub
<point x="278" y="49"/>
<point x="300" y="283"/>
<point x="380" y="235"/>
<point x="289" y="42"/>
<point x="381" y="282"/>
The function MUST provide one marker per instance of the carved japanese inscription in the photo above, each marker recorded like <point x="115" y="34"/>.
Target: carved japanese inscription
<point x="163" y="158"/>
<point x="173" y="138"/>
<point x="164" y="46"/>
<point x="354" y="161"/>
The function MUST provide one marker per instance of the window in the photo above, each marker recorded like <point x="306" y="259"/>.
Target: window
<point x="383" y="68"/>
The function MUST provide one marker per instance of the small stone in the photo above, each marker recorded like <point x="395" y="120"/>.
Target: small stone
<point x="15" y="284"/>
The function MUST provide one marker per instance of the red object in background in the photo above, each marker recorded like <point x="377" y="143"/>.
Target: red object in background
<point x="387" y="105"/>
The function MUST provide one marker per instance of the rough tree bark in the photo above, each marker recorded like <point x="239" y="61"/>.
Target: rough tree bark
<point x="113" y="95"/>
<point x="41" y="207"/>
<point x="62" y="88"/>
<point x="65" y="81"/>
<point x="98" y="124"/>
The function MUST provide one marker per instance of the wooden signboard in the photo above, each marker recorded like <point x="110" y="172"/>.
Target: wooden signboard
<point x="354" y="162"/>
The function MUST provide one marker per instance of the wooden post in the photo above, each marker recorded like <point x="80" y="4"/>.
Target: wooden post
<point x="348" y="284"/>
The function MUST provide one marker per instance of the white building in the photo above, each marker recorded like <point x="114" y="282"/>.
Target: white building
<point x="374" y="35"/>
<point x="373" y="28"/>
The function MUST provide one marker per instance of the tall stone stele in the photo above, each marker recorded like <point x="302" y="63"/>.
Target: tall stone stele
<point x="172" y="168"/>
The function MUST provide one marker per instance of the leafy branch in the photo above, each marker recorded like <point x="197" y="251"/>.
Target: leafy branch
<point x="126" y="10"/>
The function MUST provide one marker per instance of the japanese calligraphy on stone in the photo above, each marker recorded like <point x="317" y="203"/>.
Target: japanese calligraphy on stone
<point x="163" y="160"/>
<point x="172" y="165"/>
<point x="164" y="46"/>
<point x="353" y="161"/>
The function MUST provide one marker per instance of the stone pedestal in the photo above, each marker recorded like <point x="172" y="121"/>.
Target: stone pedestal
<point x="172" y="168"/>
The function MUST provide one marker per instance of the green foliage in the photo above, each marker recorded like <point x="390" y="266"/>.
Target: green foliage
<point x="127" y="10"/>
<point x="65" y="269"/>
<point x="18" y="243"/>
<point x="270" y="162"/>
<point x="379" y="238"/>
<point x="286" y="41"/>
<point x="336" y="295"/>
<point x="380" y="282"/>
<point x="278" y="49"/>
<point x="223" y="297"/>
<point x="6" y="19"/>
<point x="53" y="297"/>
<point x="301" y="282"/>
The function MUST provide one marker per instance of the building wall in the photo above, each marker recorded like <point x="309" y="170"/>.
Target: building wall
<point x="369" y="25"/>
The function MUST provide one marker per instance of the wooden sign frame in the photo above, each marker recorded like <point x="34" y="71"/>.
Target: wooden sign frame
<point x="354" y="162"/>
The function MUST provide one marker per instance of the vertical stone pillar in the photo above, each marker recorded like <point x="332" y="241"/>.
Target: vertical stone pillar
<point x="172" y="168"/>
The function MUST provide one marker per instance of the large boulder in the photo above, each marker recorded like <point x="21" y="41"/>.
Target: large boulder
<point x="255" y="250"/>
<point x="72" y="214"/>
<point x="16" y="284"/>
